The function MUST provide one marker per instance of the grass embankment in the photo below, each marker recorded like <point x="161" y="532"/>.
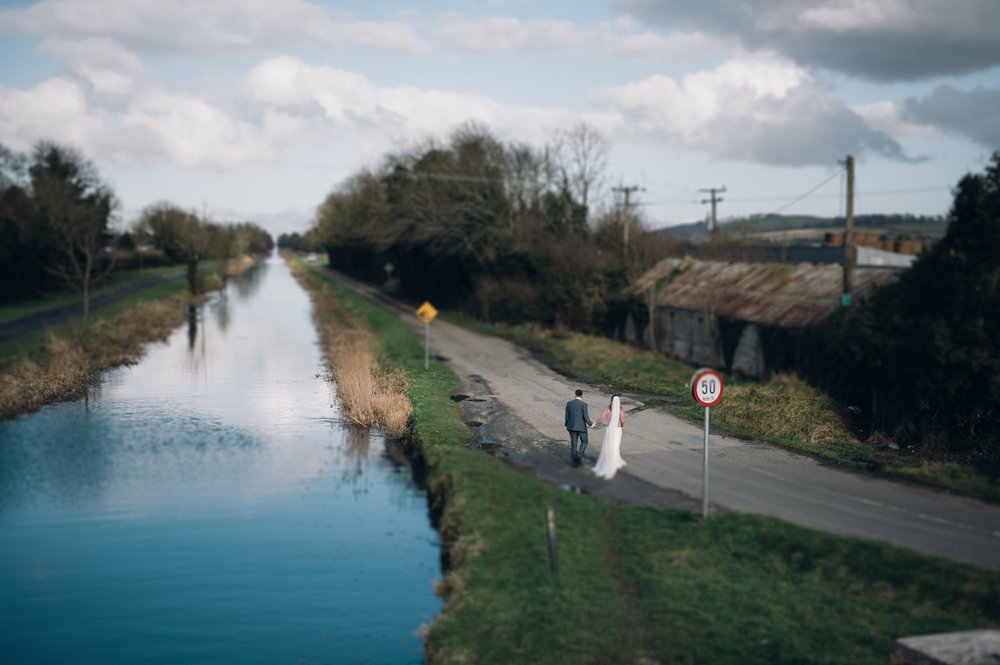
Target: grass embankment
<point x="42" y="367"/>
<point x="637" y="582"/>
<point x="370" y="396"/>
<point x="783" y="410"/>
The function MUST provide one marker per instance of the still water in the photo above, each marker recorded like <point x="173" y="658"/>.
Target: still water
<point x="208" y="505"/>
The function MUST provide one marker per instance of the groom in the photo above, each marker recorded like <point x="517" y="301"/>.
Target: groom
<point x="577" y="422"/>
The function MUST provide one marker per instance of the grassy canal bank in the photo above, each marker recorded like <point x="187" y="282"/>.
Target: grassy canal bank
<point x="47" y="365"/>
<point x="637" y="583"/>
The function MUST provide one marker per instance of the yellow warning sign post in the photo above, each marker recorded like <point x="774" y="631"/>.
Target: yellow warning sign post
<point x="427" y="312"/>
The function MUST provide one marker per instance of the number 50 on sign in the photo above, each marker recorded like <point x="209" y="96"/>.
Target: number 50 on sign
<point x="706" y="387"/>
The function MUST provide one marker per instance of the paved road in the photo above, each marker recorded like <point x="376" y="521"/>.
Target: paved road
<point x="664" y="459"/>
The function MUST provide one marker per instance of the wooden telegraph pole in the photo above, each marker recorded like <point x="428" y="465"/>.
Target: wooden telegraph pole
<point x="714" y="199"/>
<point x="625" y="217"/>
<point x="846" y="298"/>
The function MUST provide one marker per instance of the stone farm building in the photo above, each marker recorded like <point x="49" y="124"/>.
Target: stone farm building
<point x="738" y="316"/>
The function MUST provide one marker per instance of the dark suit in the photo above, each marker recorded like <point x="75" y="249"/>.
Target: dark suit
<point x="577" y="422"/>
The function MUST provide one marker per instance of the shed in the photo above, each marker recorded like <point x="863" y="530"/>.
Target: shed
<point x="714" y="312"/>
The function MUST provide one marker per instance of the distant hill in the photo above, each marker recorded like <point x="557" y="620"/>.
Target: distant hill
<point x="807" y="228"/>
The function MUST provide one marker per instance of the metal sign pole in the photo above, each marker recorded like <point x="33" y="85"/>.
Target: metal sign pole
<point x="426" y="312"/>
<point x="706" y="388"/>
<point x="704" y="473"/>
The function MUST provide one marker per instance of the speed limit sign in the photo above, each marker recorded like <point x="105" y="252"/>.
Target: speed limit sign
<point x="706" y="387"/>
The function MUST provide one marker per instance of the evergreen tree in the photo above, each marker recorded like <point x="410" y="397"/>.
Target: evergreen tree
<point x="923" y="354"/>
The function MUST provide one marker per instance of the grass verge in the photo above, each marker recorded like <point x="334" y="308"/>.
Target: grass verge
<point x="636" y="583"/>
<point x="784" y="410"/>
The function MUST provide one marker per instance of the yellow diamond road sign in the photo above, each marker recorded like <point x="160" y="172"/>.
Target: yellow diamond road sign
<point x="427" y="312"/>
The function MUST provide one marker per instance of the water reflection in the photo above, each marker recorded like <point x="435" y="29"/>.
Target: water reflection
<point x="192" y="326"/>
<point x="220" y="308"/>
<point x="208" y="505"/>
<point x="249" y="281"/>
<point x="196" y="361"/>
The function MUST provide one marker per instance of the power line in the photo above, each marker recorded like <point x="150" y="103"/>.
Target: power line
<point x="783" y="197"/>
<point x="805" y="195"/>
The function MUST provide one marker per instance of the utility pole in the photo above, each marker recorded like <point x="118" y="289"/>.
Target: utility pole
<point x="714" y="199"/>
<point x="847" y="297"/>
<point x="625" y="217"/>
<point x="710" y="320"/>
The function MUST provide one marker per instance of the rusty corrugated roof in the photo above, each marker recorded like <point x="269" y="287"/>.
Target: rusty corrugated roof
<point x="783" y="294"/>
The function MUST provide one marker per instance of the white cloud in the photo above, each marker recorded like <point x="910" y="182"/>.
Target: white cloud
<point x="760" y="108"/>
<point x="281" y="105"/>
<point x="501" y="33"/>
<point x="190" y="131"/>
<point x="98" y="52"/>
<point x="156" y="125"/>
<point x="107" y="65"/>
<point x="58" y="105"/>
<point x="349" y="102"/>
<point x="204" y="26"/>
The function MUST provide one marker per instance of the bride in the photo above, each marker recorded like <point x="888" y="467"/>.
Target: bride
<point x="610" y="459"/>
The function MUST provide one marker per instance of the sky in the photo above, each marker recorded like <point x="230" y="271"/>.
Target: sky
<point x="257" y="109"/>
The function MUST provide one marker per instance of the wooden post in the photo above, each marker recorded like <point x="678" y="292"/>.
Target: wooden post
<point x="550" y="528"/>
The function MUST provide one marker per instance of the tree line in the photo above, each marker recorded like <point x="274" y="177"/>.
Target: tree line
<point x="505" y="232"/>
<point x="56" y="215"/>
<point x="509" y="233"/>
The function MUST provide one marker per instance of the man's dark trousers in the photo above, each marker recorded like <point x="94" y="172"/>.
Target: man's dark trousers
<point x="577" y="422"/>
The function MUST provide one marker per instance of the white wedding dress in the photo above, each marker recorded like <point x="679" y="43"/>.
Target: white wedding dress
<point x="610" y="459"/>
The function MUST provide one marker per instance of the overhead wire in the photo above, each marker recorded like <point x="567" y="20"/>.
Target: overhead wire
<point x="808" y="194"/>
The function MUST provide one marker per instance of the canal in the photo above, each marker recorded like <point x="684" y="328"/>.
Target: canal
<point x="209" y="505"/>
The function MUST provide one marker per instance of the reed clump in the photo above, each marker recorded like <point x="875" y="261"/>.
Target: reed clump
<point x="370" y="395"/>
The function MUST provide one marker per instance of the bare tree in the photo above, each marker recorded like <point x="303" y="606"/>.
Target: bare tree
<point x="75" y="206"/>
<point x="583" y="159"/>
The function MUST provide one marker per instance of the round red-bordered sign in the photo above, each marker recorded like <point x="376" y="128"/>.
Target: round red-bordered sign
<point x="707" y="387"/>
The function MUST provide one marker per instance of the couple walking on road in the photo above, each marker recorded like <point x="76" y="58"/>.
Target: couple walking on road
<point x="578" y="421"/>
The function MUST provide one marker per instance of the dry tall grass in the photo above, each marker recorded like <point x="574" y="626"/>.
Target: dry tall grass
<point x="785" y="408"/>
<point x="369" y="395"/>
<point x="72" y="360"/>
<point x="238" y="266"/>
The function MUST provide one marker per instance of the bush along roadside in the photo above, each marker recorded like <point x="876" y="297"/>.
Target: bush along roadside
<point x="642" y="585"/>
<point x="60" y="362"/>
